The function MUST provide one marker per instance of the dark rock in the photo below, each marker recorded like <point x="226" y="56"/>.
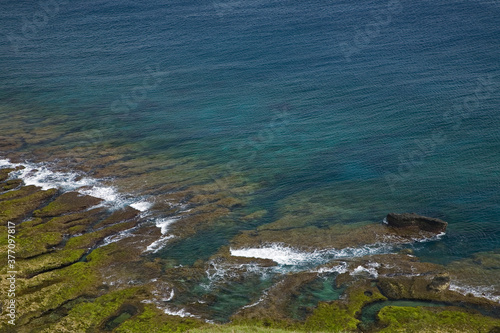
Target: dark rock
<point x="411" y="220"/>
<point x="440" y="282"/>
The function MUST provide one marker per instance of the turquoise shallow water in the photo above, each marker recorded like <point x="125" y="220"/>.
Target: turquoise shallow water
<point x="374" y="106"/>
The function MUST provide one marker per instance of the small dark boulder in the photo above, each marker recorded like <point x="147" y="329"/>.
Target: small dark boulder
<point x="414" y="220"/>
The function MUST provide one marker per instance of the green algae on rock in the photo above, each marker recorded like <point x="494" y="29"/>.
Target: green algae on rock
<point x="16" y="209"/>
<point x="68" y="281"/>
<point x="422" y="319"/>
<point x="68" y="202"/>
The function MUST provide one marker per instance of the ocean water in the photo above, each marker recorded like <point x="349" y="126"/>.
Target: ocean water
<point x="358" y="107"/>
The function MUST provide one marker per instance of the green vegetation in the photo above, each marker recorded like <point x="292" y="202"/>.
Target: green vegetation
<point x="239" y="329"/>
<point x="91" y="316"/>
<point x="152" y="320"/>
<point x="48" y="261"/>
<point x="32" y="243"/>
<point x="422" y="319"/>
<point x="16" y="209"/>
<point x="67" y="203"/>
<point x="333" y="317"/>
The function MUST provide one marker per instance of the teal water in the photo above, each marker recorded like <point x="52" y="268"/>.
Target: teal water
<point x="372" y="106"/>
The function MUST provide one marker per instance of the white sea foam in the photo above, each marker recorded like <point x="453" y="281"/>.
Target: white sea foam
<point x="119" y="236"/>
<point x="159" y="244"/>
<point x="141" y="206"/>
<point x="288" y="256"/>
<point x="164" y="223"/>
<point x="371" y="270"/>
<point x="108" y="194"/>
<point x="483" y="292"/>
<point x="431" y="239"/>
<point x="180" y="313"/>
<point x="341" y="268"/>
<point x="278" y="253"/>
<point x="170" y="297"/>
<point x="42" y="175"/>
<point x="4" y="163"/>
<point x="220" y="272"/>
<point x="262" y="298"/>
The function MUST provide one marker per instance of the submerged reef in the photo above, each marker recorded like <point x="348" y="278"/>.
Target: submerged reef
<point x="82" y="266"/>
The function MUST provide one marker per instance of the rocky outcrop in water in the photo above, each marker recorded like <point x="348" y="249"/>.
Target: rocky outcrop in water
<point x="70" y="280"/>
<point x="408" y="220"/>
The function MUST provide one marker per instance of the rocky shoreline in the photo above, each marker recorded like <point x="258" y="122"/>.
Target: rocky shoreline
<point x="73" y="276"/>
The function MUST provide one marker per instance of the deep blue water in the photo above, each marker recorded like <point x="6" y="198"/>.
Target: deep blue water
<point x="386" y="105"/>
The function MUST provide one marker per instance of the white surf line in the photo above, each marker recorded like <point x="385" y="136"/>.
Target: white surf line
<point x="371" y="270"/>
<point x="482" y="292"/>
<point x="288" y="256"/>
<point x="163" y="224"/>
<point x="340" y="269"/>
<point x="41" y="175"/>
<point x="430" y="239"/>
<point x="179" y="313"/>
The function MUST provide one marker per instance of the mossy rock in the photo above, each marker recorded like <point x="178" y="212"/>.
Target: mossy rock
<point x="4" y="173"/>
<point x="16" y="209"/>
<point x="77" y="229"/>
<point x="361" y="294"/>
<point x="48" y="261"/>
<point x="232" y="328"/>
<point x="331" y="317"/>
<point x="393" y="289"/>
<point x="84" y="220"/>
<point x="31" y="223"/>
<point x="31" y="243"/>
<point x="422" y="319"/>
<point x="11" y="184"/>
<point x="342" y="315"/>
<point x="20" y="193"/>
<point x="91" y="239"/>
<point x="48" y="291"/>
<point x="92" y="316"/>
<point x="67" y="203"/>
<point x="151" y="319"/>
